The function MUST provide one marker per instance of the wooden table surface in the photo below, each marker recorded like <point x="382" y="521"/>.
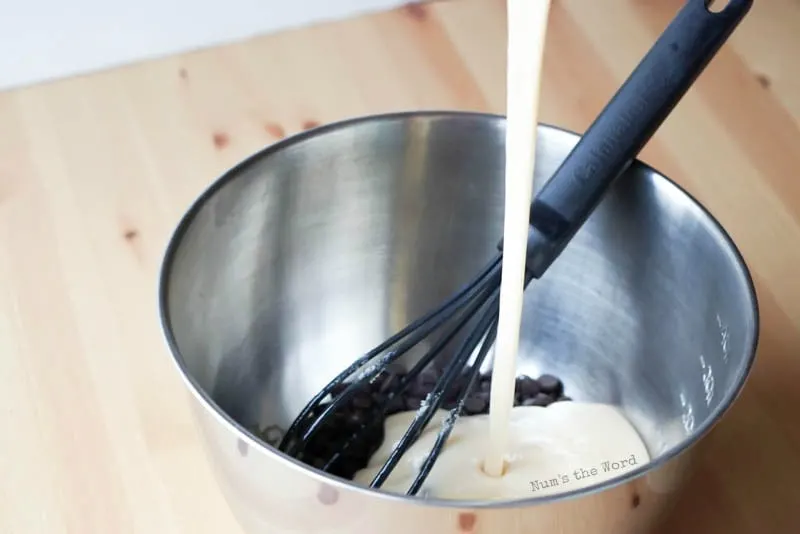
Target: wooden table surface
<point x="95" y="431"/>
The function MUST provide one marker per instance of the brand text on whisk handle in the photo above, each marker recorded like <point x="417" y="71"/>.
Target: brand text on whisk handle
<point x="584" y="473"/>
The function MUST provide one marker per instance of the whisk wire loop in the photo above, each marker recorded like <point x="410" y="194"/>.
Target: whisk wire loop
<point x="435" y="398"/>
<point x="305" y="425"/>
<point x="467" y="315"/>
<point x="450" y="421"/>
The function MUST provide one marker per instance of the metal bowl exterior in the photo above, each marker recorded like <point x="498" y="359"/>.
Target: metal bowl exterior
<point x="339" y="236"/>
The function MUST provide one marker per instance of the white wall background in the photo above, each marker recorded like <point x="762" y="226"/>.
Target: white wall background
<point x="41" y="40"/>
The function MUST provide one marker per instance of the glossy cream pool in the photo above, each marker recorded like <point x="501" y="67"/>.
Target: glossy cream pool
<point x="565" y="446"/>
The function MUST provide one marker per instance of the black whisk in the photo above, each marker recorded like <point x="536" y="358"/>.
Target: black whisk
<point x="604" y="152"/>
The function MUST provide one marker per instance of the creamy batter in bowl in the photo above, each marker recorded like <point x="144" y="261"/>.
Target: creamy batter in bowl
<point x="313" y="250"/>
<point x="567" y="445"/>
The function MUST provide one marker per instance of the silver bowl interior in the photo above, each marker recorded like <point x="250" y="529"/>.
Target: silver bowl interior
<point x="306" y="255"/>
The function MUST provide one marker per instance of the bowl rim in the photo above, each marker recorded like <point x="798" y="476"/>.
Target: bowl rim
<point x="244" y="434"/>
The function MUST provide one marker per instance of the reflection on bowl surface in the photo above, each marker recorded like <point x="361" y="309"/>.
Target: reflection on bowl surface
<point x="311" y="252"/>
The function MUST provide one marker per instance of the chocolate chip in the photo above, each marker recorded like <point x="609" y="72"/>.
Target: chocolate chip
<point x="413" y="403"/>
<point x="451" y="396"/>
<point x="415" y="390"/>
<point x="396" y="369"/>
<point x="397" y="404"/>
<point x="462" y="380"/>
<point x="377" y="381"/>
<point x="475" y="404"/>
<point x="485" y="394"/>
<point x="344" y="468"/>
<point x="339" y="388"/>
<point x="551" y="385"/>
<point x="358" y="449"/>
<point x="318" y="410"/>
<point x="484" y="383"/>
<point x="272" y="435"/>
<point x="540" y="399"/>
<point x="356" y="418"/>
<point x="374" y="439"/>
<point x="361" y="401"/>
<point x="388" y="383"/>
<point x="458" y="386"/>
<point x="526" y="387"/>
<point x="338" y="416"/>
<point x="428" y="379"/>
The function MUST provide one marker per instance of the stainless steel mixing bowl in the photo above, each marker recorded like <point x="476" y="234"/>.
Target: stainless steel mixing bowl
<point x="304" y="256"/>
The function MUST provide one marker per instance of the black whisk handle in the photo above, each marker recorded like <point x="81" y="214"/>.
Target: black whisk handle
<point x="626" y="124"/>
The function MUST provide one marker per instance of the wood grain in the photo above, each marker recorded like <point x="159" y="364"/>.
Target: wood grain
<point x="95" y="171"/>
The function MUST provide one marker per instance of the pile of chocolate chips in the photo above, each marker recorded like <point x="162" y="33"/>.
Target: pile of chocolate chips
<point x="363" y="414"/>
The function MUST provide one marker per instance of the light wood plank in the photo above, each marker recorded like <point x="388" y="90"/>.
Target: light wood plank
<point x="95" y="171"/>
